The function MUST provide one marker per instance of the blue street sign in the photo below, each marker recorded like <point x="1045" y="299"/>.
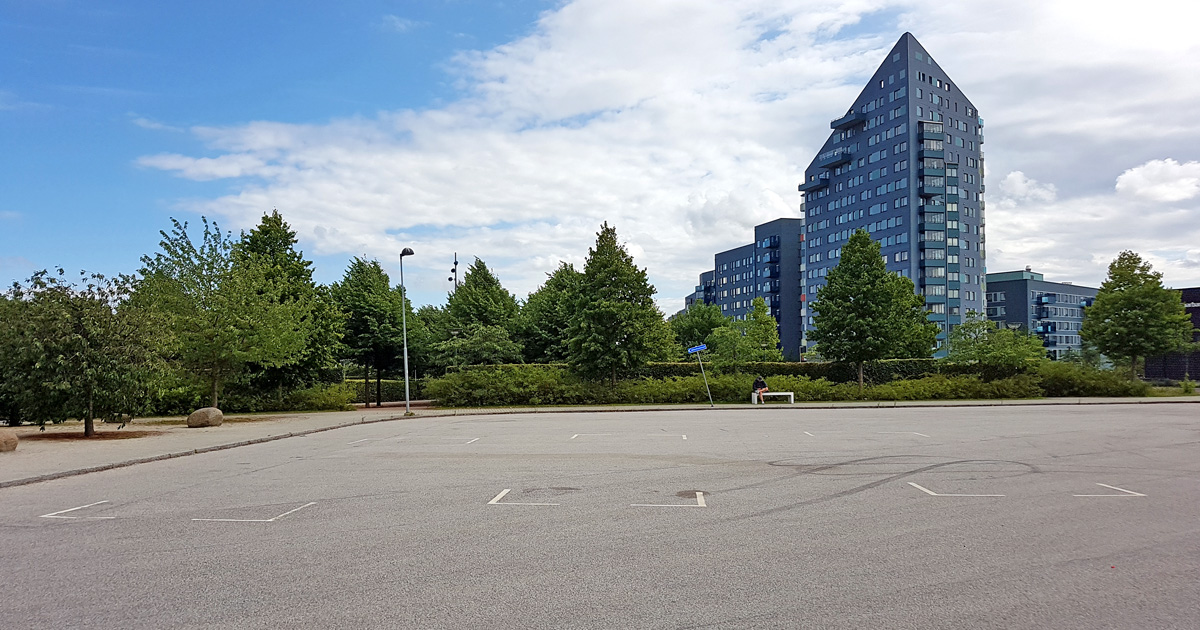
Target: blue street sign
<point x="697" y="349"/>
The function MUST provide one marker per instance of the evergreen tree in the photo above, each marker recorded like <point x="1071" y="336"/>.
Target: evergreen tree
<point x="374" y="326"/>
<point x="617" y="327"/>
<point x="866" y="313"/>
<point x="481" y="300"/>
<point x="982" y="342"/>
<point x="480" y="345"/>
<point x="221" y="316"/>
<point x="693" y="326"/>
<point x="545" y="317"/>
<point x="1133" y="315"/>
<point x="272" y="245"/>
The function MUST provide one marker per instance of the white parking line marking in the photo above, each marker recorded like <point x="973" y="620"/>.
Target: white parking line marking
<point x="256" y="520"/>
<point x="935" y="494"/>
<point x="472" y="441"/>
<point x="1128" y="493"/>
<point x="362" y="440"/>
<point x="699" y="503"/>
<point x="579" y="434"/>
<point x="56" y="514"/>
<point x="903" y="433"/>
<point x="496" y="500"/>
<point x="809" y="434"/>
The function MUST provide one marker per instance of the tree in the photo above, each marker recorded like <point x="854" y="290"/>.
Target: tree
<point x="272" y="245"/>
<point x="1133" y="315"/>
<point x="481" y="300"/>
<point x="222" y="314"/>
<point x="754" y="339"/>
<point x="866" y="313"/>
<point x="481" y="345"/>
<point x="545" y="318"/>
<point x="981" y="341"/>
<point x="374" y="325"/>
<point x="695" y="323"/>
<point x="617" y="326"/>
<point x="77" y="351"/>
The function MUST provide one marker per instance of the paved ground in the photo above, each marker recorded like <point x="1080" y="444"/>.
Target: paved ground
<point x="726" y="518"/>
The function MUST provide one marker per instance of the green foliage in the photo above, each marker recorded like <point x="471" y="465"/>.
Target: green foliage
<point x="271" y="245"/>
<point x="1059" y="379"/>
<point x="392" y="390"/>
<point x="1187" y="385"/>
<point x="866" y="313"/>
<point x="74" y="350"/>
<point x="1133" y="315"/>
<point x="544" y="321"/>
<point x="481" y="300"/>
<point x="220" y="314"/>
<point x="479" y="345"/>
<point x="693" y="326"/>
<point x="753" y="340"/>
<point x="616" y="327"/>
<point x="980" y="341"/>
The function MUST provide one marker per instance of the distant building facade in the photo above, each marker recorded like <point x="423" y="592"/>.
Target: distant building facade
<point x="1177" y="365"/>
<point x="905" y="163"/>
<point x="769" y="268"/>
<point x="1051" y="310"/>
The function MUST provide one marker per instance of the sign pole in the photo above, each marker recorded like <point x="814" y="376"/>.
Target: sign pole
<point x="696" y="351"/>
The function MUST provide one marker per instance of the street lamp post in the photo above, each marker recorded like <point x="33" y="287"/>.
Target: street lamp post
<point x="407" y="251"/>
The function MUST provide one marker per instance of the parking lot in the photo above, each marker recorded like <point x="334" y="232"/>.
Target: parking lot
<point x="961" y="517"/>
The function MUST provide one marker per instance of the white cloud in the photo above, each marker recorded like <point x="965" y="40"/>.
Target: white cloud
<point x="9" y="215"/>
<point x="1162" y="180"/>
<point x="399" y="24"/>
<point x="684" y="123"/>
<point x="153" y="125"/>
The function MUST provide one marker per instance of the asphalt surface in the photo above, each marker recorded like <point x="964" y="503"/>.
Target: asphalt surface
<point x="725" y="518"/>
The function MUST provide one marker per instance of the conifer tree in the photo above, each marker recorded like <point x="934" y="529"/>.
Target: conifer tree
<point x="546" y="316"/>
<point x="617" y="327"/>
<point x="482" y="300"/>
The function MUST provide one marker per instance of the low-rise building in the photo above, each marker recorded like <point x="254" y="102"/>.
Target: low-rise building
<point x="1177" y="365"/>
<point x="1024" y="300"/>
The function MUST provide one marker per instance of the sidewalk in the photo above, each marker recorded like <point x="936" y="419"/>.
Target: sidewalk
<point x="41" y="460"/>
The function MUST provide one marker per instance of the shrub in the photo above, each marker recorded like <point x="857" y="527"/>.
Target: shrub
<point x="333" y="397"/>
<point x="1075" y="380"/>
<point x="1187" y="385"/>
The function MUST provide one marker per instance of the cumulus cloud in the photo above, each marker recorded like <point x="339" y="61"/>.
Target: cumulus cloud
<point x="685" y="123"/>
<point x="153" y="125"/>
<point x="1162" y="180"/>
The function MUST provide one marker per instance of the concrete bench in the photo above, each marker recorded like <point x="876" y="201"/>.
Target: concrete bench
<point x="754" y="397"/>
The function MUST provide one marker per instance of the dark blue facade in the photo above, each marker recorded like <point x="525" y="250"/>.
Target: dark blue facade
<point x="769" y="268"/>
<point x="904" y="163"/>
<point x="1051" y="310"/>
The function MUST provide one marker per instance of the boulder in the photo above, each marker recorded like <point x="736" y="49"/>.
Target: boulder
<point x="206" y="417"/>
<point x="8" y="441"/>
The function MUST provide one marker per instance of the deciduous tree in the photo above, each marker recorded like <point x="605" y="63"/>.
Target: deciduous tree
<point x="866" y="313"/>
<point x="542" y="327"/>
<point x="1133" y="315"/>
<point x="981" y="341"/>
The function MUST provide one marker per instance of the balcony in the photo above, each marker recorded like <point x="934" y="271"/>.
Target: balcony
<point x="932" y="172"/>
<point x="770" y="287"/>
<point x="769" y="257"/>
<point x="847" y="121"/>
<point x="1050" y="298"/>
<point x="931" y="135"/>
<point x="815" y="183"/>
<point x="771" y="242"/>
<point x="932" y="186"/>
<point x="769" y="272"/>
<point x="931" y="153"/>
<point x="1047" y="327"/>
<point x="834" y="158"/>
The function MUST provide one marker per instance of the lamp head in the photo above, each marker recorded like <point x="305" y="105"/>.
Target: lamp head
<point x="407" y="251"/>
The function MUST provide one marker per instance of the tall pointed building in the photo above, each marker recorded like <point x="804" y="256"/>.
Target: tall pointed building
<point x="904" y="163"/>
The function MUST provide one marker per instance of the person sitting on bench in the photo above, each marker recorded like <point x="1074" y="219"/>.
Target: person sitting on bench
<point x="760" y="386"/>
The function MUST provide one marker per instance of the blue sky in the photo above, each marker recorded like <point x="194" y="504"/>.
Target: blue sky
<point x="511" y="130"/>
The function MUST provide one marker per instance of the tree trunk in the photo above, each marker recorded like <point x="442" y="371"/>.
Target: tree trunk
<point x="367" y="384"/>
<point x="89" y="424"/>
<point x="378" y="387"/>
<point x="216" y="390"/>
<point x="860" y="377"/>
<point x="1133" y="369"/>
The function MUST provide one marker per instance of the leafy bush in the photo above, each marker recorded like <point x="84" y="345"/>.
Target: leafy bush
<point x="1187" y="385"/>
<point x="1060" y="379"/>
<point x="333" y="397"/>
<point x="392" y="390"/>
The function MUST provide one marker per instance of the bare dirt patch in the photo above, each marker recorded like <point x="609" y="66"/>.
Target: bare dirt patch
<point x="78" y="435"/>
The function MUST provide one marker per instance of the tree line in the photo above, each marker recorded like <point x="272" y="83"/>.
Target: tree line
<point x="210" y="318"/>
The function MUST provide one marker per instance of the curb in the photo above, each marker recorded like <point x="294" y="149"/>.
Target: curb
<point x="501" y="411"/>
<point x="207" y="449"/>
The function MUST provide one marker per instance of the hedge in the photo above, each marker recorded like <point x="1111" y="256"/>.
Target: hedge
<point x="510" y="385"/>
